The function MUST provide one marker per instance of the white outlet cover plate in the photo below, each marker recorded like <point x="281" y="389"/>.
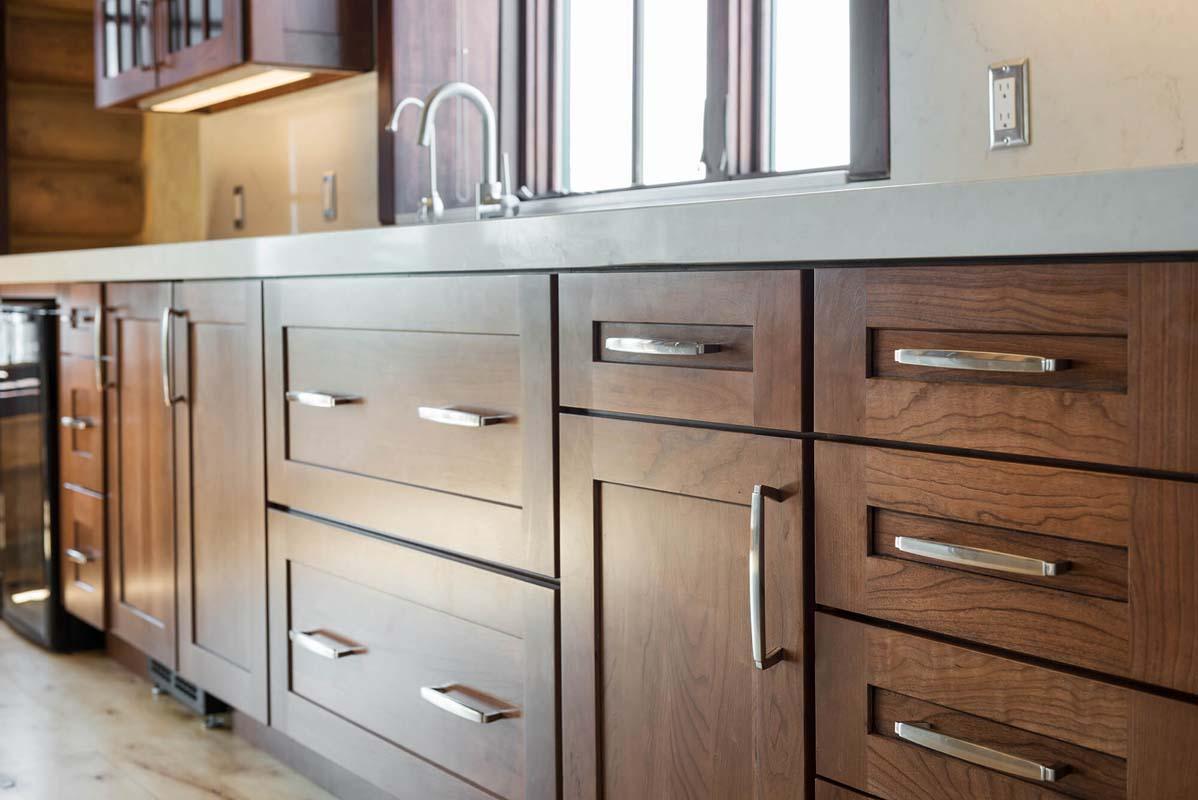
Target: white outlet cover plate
<point x="1010" y="120"/>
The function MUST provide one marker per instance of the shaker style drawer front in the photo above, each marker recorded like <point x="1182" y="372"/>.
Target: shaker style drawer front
<point x="1090" y="362"/>
<point x="721" y="347"/>
<point x="81" y="320"/>
<point x="419" y="407"/>
<point x="82" y="554"/>
<point x="435" y="662"/>
<point x="902" y="717"/>
<point x="81" y="424"/>
<point x="1083" y="568"/>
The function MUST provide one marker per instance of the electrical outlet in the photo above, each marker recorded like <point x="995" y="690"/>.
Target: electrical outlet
<point x="1009" y="107"/>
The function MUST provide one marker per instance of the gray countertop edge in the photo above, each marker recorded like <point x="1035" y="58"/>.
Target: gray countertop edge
<point x="1145" y="211"/>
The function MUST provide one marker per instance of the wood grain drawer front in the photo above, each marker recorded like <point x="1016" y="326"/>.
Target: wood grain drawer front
<point x="661" y="693"/>
<point x="82" y="557"/>
<point x="1083" y="568"/>
<point x="81" y="435"/>
<point x="420" y="407"/>
<point x="1094" y="362"/>
<point x="78" y="307"/>
<point x="712" y="346"/>
<point x="903" y="717"/>
<point x="448" y="665"/>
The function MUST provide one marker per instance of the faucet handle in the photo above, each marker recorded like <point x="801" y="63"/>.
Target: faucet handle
<point x="506" y="178"/>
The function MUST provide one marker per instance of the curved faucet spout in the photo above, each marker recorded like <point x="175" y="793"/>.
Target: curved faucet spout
<point x="490" y="136"/>
<point x="431" y="206"/>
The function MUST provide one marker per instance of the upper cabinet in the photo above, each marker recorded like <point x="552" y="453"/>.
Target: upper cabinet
<point x="193" y="55"/>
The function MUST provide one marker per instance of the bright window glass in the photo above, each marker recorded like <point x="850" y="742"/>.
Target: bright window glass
<point x="675" y="90"/>
<point x="598" y="94"/>
<point x="811" y="84"/>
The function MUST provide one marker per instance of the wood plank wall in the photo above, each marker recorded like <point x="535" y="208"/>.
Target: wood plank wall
<point x="74" y="173"/>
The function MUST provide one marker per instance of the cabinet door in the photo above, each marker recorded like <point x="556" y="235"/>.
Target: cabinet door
<point x="661" y="696"/>
<point x="125" y="41"/>
<point x="221" y="489"/>
<point x="199" y="37"/>
<point x="141" y="508"/>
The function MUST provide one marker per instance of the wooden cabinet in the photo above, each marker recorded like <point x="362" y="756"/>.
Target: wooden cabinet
<point x="82" y="375"/>
<point x="426" y="676"/>
<point x="903" y="717"/>
<point x="1083" y="568"/>
<point x="661" y="696"/>
<point x="220" y="491"/>
<point x="168" y="48"/>
<point x="1091" y="362"/>
<point x="141" y="508"/>
<point x="721" y="347"/>
<point x="417" y="407"/>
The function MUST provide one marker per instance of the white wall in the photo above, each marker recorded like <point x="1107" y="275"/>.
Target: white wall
<point x="1114" y="84"/>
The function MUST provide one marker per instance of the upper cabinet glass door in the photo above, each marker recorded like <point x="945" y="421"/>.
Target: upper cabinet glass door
<point x="201" y="37"/>
<point x="125" y="45"/>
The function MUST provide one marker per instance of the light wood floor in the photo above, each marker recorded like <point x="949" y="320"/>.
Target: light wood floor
<point x="81" y="727"/>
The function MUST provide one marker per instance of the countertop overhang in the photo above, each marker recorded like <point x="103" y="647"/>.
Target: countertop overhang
<point x="1145" y="211"/>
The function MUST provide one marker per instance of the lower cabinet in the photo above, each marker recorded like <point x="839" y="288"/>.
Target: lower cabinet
<point x="676" y="681"/>
<point x="141" y="511"/>
<point x="903" y="717"/>
<point x="426" y="676"/>
<point x="82" y="559"/>
<point x="215" y="333"/>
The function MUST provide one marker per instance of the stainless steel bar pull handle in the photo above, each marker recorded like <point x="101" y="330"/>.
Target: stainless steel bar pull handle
<point x="977" y="557"/>
<point x="77" y="423"/>
<point x="761" y="659"/>
<point x="78" y="556"/>
<point x="979" y="361"/>
<point x="98" y="346"/>
<point x="323" y="645"/>
<point x="922" y="735"/>
<point x="169" y="398"/>
<point x="321" y="399"/>
<point x="438" y="697"/>
<point x="659" y="347"/>
<point x="456" y="416"/>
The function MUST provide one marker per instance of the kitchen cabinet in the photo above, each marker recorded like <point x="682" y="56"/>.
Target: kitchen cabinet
<point x="220" y="492"/>
<point x="168" y="48"/>
<point x="427" y="676"/>
<point x="422" y="45"/>
<point x="676" y="680"/>
<point x="140" y="449"/>
<point x="82" y="375"/>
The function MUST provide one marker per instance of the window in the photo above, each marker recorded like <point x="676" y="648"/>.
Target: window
<point x="655" y="92"/>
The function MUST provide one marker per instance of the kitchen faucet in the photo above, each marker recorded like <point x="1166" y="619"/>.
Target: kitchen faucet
<point x="431" y="207"/>
<point x="493" y="199"/>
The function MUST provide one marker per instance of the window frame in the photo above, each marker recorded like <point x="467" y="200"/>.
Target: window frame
<point x="737" y="135"/>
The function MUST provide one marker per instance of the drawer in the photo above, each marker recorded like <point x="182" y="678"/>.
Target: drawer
<point x="418" y="407"/>
<point x="830" y="791"/>
<point x="906" y="718"/>
<point x="81" y="521"/>
<point x="1092" y="362"/>
<point x="414" y="671"/>
<point x="721" y="347"/>
<point x="81" y="436"/>
<point x="78" y="334"/>
<point x="1090" y="569"/>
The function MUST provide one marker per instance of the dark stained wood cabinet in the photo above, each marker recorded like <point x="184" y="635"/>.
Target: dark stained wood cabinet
<point x="82" y="375"/>
<point x="141" y="507"/>
<point x="427" y="676"/>
<point x="417" y="407"/>
<point x="904" y="717"/>
<point x="1123" y="336"/>
<point x="150" y="47"/>
<point x="220" y="490"/>
<point x="660" y="695"/>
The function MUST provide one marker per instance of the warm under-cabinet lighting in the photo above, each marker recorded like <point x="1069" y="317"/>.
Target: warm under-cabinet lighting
<point x="31" y="596"/>
<point x="231" y="89"/>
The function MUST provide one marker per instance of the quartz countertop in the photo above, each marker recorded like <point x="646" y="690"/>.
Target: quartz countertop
<point x="1144" y="211"/>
